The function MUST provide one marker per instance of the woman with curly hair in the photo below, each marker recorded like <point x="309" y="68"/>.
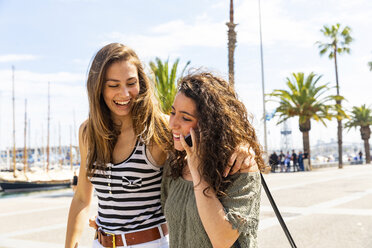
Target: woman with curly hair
<point x="203" y="208"/>
<point x="123" y="146"/>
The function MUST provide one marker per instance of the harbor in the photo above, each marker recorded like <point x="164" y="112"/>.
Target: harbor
<point x="29" y="168"/>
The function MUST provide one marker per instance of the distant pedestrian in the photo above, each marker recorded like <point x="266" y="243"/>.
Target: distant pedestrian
<point x="295" y="160"/>
<point x="301" y="161"/>
<point x="74" y="181"/>
<point x="287" y="162"/>
<point x="281" y="159"/>
<point x="306" y="161"/>
<point x="273" y="161"/>
<point x="360" y="156"/>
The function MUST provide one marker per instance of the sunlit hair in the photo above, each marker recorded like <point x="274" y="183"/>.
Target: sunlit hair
<point x="101" y="133"/>
<point x="222" y="124"/>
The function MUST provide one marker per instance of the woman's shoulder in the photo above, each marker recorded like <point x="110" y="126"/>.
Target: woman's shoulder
<point x="157" y="154"/>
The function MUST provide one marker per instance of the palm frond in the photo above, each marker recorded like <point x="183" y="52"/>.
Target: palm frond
<point x="339" y="40"/>
<point x="359" y="117"/>
<point x="305" y="99"/>
<point x="165" y="81"/>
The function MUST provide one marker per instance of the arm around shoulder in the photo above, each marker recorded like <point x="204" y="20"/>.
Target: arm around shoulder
<point x="79" y="208"/>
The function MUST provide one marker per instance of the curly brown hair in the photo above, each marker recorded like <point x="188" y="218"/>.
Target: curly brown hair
<point x="222" y="124"/>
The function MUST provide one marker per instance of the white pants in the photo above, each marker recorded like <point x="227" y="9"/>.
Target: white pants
<point x="159" y="243"/>
<point x="306" y="164"/>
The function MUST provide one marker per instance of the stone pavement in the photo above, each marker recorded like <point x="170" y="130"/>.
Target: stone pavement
<point x="323" y="208"/>
<point x="38" y="220"/>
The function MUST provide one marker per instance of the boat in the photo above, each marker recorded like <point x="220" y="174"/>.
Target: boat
<point x="15" y="186"/>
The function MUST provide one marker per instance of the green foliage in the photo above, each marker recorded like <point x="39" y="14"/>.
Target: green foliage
<point x="165" y="81"/>
<point x="370" y="65"/>
<point x="337" y="40"/>
<point x="360" y="117"/>
<point x="306" y="100"/>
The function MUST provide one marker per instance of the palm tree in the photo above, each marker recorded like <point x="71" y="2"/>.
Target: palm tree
<point x="305" y="99"/>
<point x="165" y="82"/>
<point x="362" y="117"/>
<point x="337" y="43"/>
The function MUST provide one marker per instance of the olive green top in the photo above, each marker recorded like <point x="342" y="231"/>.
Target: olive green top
<point x="241" y="205"/>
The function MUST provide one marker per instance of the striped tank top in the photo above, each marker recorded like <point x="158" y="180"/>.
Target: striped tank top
<point x="129" y="194"/>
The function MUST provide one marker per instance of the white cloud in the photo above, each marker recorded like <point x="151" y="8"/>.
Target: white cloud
<point x="169" y="38"/>
<point x="279" y="25"/>
<point x="17" y="57"/>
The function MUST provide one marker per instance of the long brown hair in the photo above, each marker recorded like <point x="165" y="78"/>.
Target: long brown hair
<point x="100" y="132"/>
<point x="222" y="124"/>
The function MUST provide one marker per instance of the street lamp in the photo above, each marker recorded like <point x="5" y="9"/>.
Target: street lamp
<point x="262" y="80"/>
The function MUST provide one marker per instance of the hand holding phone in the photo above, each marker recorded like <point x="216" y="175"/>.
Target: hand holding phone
<point x="188" y="139"/>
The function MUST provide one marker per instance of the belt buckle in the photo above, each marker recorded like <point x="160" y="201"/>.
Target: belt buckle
<point x="113" y="239"/>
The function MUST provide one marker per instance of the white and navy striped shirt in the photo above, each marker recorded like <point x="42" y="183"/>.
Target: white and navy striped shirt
<point x="129" y="194"/>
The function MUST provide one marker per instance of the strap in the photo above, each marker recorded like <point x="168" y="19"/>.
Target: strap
<point x="277" y="213"/>
<point x="236" y="244"/>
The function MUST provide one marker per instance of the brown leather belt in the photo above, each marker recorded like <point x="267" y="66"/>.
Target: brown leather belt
<point x="134" y="238"/>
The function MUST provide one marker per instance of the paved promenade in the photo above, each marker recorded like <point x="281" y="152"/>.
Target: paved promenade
<point x="323" y="208"/>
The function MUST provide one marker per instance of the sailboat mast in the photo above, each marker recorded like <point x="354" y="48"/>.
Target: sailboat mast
<point x="59" y="145"/>
<point x="71" y="147"/>
<point x="14" y="142"/>
<point x="0" y="117"/>
<point x="29" y="135"/>
<point x="25" y="164"/>
<point x="48" y="131"/>
<point x="43" y="147"/>
<point x="76" y="140"/>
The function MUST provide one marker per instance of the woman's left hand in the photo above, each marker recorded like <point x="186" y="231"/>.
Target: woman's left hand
<point x="242" y="160"/>
<point x="92" y="222"/>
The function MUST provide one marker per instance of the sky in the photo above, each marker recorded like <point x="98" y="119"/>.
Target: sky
<point x="54" y="41"/>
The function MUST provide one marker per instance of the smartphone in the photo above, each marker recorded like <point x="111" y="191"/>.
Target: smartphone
<point x="188" y="139"/>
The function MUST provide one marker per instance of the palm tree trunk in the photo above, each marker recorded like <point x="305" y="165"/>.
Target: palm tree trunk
<point x="231" y="34"/>
<point x="305" y="128"/>
<point x="339" y="141"/>
<point x="366" y="149"/>
<point x="365" y="132"/>
<point x="336" y="70"/>
<point x="339" y="122"/>
<point x="306" y="145"/>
